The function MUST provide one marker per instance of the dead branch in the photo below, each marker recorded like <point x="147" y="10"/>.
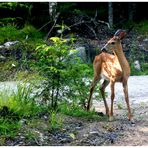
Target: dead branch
<point x="55" y="21"/>
<point x="92" y="30"/>
<point x="44" y="25"/>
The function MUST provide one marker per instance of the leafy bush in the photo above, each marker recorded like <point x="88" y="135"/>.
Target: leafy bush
<point x="65" y="75"/>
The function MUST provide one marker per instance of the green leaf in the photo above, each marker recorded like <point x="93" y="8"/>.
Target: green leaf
<point x="72" y="136"/>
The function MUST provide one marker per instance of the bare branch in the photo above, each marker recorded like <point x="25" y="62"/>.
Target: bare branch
<point x="44" y="25"/>
<point x="55" y="21"/>
<point x="92" y="30"/>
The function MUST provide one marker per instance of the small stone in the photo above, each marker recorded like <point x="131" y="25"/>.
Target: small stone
<point x="8" y="44"/>
<point x="93" y="132"/>
<point x="1" y="46"/>
<point x="78" y="128"/>
<point x="137" y="65"/>
<point x="2" y="58"/>
<point x="145" y="40"/>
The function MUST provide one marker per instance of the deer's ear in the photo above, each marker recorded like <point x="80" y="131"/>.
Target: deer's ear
<point x="120" y="33"/>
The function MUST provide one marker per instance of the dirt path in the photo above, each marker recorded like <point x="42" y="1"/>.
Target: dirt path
<point x="120" y="131"/>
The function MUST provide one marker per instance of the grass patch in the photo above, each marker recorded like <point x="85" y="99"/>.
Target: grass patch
<point x="77" y="111"/>
<point x="55" y="121"/>
<point x="15" y="106"/>
<point x="9" y="128"/>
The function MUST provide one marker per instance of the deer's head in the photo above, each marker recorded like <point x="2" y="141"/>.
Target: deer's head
<point x="114" y="43"/>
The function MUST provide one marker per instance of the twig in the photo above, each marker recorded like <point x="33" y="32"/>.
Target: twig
<point x="92" y="30"/>
<point x="81" y="22"/>
<point x="44" y="25"/>
<point x="103" y="22"/>
<point x="55" y="21"/>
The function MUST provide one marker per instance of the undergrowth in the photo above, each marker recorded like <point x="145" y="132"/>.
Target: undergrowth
<point x="77" y="111"/>
<point x="28" y="33"/>
<point x="15" y="106"/>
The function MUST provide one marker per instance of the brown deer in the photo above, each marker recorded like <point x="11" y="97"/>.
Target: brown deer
<point x="112" y="68"/>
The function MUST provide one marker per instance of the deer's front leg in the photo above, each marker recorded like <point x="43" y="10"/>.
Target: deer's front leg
<point x="112" y="85"/>
<point x="102" y="90"/>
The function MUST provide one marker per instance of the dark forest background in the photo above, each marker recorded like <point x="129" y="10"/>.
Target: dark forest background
<point x="39" y="13"/>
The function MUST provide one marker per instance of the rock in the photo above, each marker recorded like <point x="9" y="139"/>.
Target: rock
<point x="13" y="65"/>
<point x="62" y="137"/>
<point x="23" y="121"/>
<point x="8" y="44"/>
<point x="112" y="137"/>
<point x="145" y="40"/>
<point x="1" y="46"/>
<point x="2" y="58"/>
<point x="80" y="52"/>
<point x="65" y="139"/>
<point x="78" y="128"/>
<point x="93" y="133"/>
<point x="137" y="65"/>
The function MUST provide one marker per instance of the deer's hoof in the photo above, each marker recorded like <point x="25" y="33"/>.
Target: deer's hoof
<point x="111" y="118"/>
<point x="88" y="108"/>
<point x="132" y="121"/>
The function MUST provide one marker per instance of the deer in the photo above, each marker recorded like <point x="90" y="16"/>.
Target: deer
<point x="112" y="68"/>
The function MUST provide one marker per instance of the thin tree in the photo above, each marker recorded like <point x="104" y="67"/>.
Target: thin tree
<point x="110" y="14"/>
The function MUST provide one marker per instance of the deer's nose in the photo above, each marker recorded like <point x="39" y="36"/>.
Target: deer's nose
<point x="103" y="49"/>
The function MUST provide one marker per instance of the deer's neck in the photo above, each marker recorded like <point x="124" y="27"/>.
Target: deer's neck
<point x="123" y="61"/>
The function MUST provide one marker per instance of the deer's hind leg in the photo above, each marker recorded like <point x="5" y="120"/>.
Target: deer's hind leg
<point x="125" y="89"/>
<point x="97" y="71"/>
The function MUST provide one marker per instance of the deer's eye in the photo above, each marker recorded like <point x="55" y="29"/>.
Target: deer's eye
<point x="113" y="43"/>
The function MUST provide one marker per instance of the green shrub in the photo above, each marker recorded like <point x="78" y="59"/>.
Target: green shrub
<point x="9" y="33"/>
<point x="63" y="73"/>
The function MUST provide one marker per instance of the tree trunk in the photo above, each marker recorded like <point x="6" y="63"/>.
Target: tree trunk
<point x="110" y="14"/>
<point x="131" y="11"/>
<point x="52" y="10"/>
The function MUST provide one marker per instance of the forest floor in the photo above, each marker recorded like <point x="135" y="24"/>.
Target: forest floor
<point x="78" y="131"/>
